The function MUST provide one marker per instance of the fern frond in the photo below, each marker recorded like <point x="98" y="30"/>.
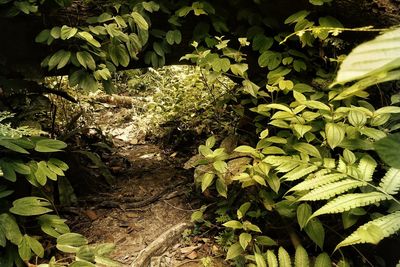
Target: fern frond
<point x="330" y="190"/>
<point x="318" y="181"/>
<point x="350" y="201"/>
<point x="391" y="182"/>
<point x="271" y="259"/>
<point x="366" y="168"/>
<point x="373" y="231"/>
<point x="301" y="257"/>
<point x="299" y="172"/>
<point x="284" y="258"/>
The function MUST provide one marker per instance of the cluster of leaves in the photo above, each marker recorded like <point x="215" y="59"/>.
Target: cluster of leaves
<point x="25" y="221"/>
<point x="315" y="157"/>
<point x="171" y="95"/>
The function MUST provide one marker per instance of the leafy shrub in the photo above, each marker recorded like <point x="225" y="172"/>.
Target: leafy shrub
<point x="314" y="158"/>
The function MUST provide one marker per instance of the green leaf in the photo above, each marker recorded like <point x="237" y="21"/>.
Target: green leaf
<point x="59" y="59"/>
<point x="373" y="231"/>
<point x="8" y="171"/>
<point x="197" y="216"/>
<point x="271" y="259"/>
<point x="366" y="168"/>
<point x="307" y="149"/>
<point x="316" y="232"/>
<point x="89" y="38"/>
<point x="234" y="251"/>
<point x="43" y="36"/>
<point x="350" y="201"/>
<point x="49" y="145"/>
<point x="284" y="258"/>
<point x="391" y="181"/>
<point x="388" y="149"/>
<point x="119" y="55"/>
<point x="53" y="225"/>
<point x="297" y="17"/>
<point x="9" y="143"/>
<point x="334" y="134"/>
<point x="24" y="250"/>
<point x="86" y="60"/>
<point x="71" y="242"/>
<point x="244" y="240"/>
<point x="265" y="241"/>
<point x="206" y="181"/>
<point x="304" y="212"/>
<point x="222" y="188"/>
<point x="140" y="21"/>
<point x="260" y="261"/>
<point x="30" y="206"/>
<point x="330" y="190"/>
<point x="35" y="246"/>
<point x="233" y="224"/>
<point x="10" y="228"/>
<point x="323" y="260"/>
<point x="241" y="212"/>
<point x="68" y="32"/>
<point x="301" y="257"/>
<point x="378" y="55"/>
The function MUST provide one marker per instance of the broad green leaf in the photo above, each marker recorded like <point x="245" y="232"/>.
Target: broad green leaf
<point x="30" y="206"/>
<point x="49" y="145"/>
<point x="221" y="187"/>
<point x="197" y="216"/>
<point x="244" y="240"/>
<point x="297" y="17"/>
<point x="53" y="225"/>
<point x="9" y="143"/>
<point x="10" y="228"/>
<point x="86" y="60"/>
<point x="89" y="38"/>
<point x="307" y="149"/>
<point x="241" y="212"/>
<point x="35" y="246"/>
<point x="43" y="36"/>
<point x="378" y="55"/>
<point x="119" y="55"/>
<point x="316" y="232"/>
<point x="68" y="32"/>
<point x="206" y="181"/>
<point x="388" y="149"/>
<point x="304" y="212"/>
<point x="24" y="250"/>
<point x="233" y="224"/>
<point x="140" y="21"/>
<point x="334" y="134"/>
<point x="234" y="251"/>
<point x="71" y="242"/>
<point x="357" y="118"/>
<point x="8" y="171"/>
<point x="265" y="241"/>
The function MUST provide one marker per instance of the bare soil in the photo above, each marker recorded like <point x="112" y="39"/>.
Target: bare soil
<point x="150" y="197"/>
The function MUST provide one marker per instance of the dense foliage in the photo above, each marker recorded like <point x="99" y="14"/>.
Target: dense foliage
<point x="314" y="162"/>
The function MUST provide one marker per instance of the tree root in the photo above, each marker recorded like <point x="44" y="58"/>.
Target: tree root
<point x="159" y="245"/>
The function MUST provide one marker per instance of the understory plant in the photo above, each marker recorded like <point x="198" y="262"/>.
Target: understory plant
<point x="29" y="222"/>
<point x="313" y="176"/>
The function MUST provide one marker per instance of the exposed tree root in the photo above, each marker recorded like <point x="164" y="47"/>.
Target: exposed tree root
<point x="159" y="245"/>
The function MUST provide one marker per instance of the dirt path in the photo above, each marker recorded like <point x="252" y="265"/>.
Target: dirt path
<point x="149" y="198"/>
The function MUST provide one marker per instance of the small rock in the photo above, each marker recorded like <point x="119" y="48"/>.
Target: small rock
<point x="187" y="250"/>
<point x="192" y="255"/>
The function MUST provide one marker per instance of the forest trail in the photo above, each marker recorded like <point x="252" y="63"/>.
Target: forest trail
<point x="150" y="197"/>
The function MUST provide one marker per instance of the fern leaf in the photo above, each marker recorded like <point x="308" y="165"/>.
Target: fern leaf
<point x="330" y="190"/>
<point x="318" y="181"/>
<point x="323" y="260"/>
<point x="350" y="201"/>
<point x="299" y="172"/>
<point x="373" y="231"/>
<point x="301" y="258"/>
<point x="366" y="168"/>
<point x="271" y="259"/>
<point x="391" y="182"/>
<point x="284" y="258"/>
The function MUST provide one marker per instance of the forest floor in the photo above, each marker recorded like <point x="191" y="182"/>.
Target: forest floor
<point x="153" y="193"/>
